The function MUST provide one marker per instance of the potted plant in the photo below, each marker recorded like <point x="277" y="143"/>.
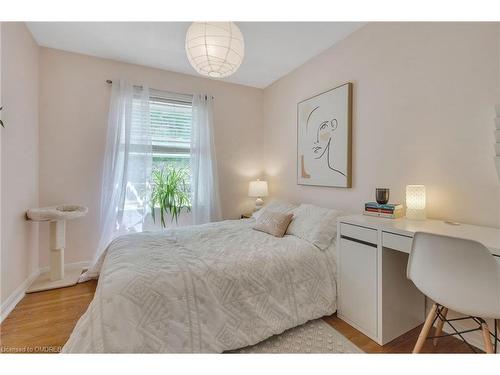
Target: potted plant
<point x="169" y="193"/>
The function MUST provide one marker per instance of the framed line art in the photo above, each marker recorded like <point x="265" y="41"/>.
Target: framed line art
<point x="324" y="132"/>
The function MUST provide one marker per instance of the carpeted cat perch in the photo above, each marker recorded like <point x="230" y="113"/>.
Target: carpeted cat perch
<point x="56" y="277"/>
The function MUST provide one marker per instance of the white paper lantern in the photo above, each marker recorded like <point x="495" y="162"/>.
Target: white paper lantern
<point x="215" y="49"/>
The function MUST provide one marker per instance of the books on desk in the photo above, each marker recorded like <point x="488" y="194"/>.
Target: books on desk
<point x="389" y="210"/>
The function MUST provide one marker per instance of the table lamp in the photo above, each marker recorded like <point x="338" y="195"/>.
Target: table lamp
<point x="415" y="202"/>
<point x="257" y="189"/>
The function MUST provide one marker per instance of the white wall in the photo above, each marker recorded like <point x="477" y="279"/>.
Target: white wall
<point x="19" y="168"/>
<point x="423" y="114"/>
<point x="74" y="99"/>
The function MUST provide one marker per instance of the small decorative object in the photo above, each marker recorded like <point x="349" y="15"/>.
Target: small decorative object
<point x="324" y="138"/>
<point x="56" y="216"/>
<point x="415" y="202"/>
<point x="215" y="49"/>
<point x="385" y="210"/>
<point x="170" y="193"/>
<point x="382" y="195"/>
<point x="257" y="189"/>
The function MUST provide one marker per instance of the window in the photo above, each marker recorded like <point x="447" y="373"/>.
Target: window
<point x="170" y="126"/>
<point x="170" y="129"/>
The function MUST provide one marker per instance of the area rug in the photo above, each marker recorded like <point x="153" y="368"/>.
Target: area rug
<point x="315" y="336"/>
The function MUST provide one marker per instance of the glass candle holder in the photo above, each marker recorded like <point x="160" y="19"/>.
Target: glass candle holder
<point x="382" y="195"/>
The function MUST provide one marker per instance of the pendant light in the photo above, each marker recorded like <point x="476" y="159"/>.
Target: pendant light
<point x="215" y="49"/>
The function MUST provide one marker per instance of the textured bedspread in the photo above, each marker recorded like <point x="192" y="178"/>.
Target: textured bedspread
<point x="207" y="288"/>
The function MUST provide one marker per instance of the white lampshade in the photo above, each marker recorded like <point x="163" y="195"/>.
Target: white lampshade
<point x="257" y="189"/>
<point x="415" y="202"/>
<point x="215" y="49"/>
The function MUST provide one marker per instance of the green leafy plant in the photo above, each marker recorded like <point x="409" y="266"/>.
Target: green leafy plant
<point x="169" y="193"/>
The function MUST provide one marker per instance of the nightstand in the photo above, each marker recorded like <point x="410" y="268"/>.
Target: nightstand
<point x="246" y="215"/>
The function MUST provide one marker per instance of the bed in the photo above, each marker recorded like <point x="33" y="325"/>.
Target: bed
<point x="204" y="289"/>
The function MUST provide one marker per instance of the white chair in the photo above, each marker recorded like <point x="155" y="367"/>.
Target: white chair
<point x="460" y="275"/>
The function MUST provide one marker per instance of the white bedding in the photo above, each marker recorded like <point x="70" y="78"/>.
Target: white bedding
<point x="207" y="288"/>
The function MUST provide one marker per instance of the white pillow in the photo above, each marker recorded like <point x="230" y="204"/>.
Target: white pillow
<point x="275" y="206"/>
<point x="317" y="225"/>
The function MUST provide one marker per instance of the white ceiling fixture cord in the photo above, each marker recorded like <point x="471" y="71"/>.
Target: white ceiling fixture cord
<point x="215" y="49"/>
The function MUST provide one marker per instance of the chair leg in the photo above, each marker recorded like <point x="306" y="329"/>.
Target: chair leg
<point x="498" y="333"/>
<point x="488" y="346"/>
<point x="439" y="326"/>
<point x="425" y="329"/>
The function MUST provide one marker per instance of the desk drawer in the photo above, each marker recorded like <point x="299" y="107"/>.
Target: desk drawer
<point x="359" y="233"/>
<point x="396" y="242"/>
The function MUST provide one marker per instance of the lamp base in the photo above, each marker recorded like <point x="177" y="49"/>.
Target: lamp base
<point x="259" y="202"/>
<point x="415" y="214"/>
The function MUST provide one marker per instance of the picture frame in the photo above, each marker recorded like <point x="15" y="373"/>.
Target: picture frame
<point x="324" y="138"/>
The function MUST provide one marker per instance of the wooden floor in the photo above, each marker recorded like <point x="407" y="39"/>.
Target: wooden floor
<point x="43" y="321"/>
<point x="403" y="344"/>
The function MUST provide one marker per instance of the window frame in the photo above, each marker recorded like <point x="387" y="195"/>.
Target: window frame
<point x="166" y="97"/>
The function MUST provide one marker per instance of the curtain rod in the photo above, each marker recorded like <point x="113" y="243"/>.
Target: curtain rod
<point x="108" y="81"/>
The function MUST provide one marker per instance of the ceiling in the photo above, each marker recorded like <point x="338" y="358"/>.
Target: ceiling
<point x="272" y="49"/>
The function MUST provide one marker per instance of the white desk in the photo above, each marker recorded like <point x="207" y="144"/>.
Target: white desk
<point x="489" y="237"/>
<point x="374" y="295"/>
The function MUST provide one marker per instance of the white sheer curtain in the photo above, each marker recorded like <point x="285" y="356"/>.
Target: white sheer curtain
<point x="204" y="179"/>
<point x="127" y="167"/>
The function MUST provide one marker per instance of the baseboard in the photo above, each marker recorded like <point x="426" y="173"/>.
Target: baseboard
<point x="18" y="294"/>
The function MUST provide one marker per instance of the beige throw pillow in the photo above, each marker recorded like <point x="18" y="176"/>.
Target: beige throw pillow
<point x="275" y="206"/>
<point x="274" y="223"/>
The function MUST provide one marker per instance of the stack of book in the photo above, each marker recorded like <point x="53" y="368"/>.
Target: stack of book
<point x="389" y="210"/>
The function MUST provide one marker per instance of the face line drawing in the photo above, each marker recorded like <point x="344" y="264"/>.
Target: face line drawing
<point x="323" y="125"/>
<point x="308" y="117"/>
<point x="327" y="149"/>
<point x="316" y="147"/>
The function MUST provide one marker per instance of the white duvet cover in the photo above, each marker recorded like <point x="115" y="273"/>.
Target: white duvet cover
<point x="206" y="288"/>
